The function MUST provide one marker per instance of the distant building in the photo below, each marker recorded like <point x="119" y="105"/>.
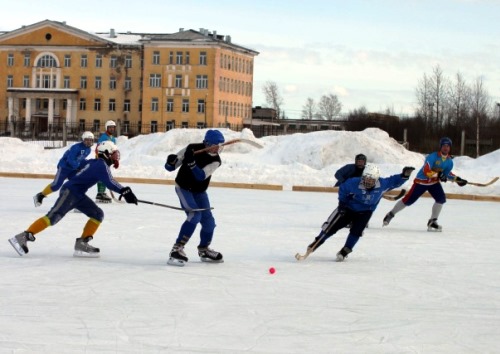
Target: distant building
<point x="53" y="73"/>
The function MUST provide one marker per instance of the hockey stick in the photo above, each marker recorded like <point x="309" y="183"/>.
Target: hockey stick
<point x="483" y="184"/>
<point x="230" y="142"/>
<point x="310" y="250"/>
<point x="114" y="198"/>
<point x="172" y="207"/>
<point x="395" y="197"/>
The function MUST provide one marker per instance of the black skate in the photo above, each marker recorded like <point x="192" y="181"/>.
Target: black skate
<point x="102" y="198"/>
<point x="209" y="255"/>
<point x="433" y="226"/>
<point x="38" y="199"/>
<point x="83" y="249"/>
<point x="177" y="256"/>
<point x="342" y="254"/>
<point x="19" y="242"/>
<point x="388" y="218"/>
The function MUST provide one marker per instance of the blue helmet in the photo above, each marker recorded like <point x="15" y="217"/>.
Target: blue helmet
<point x="213" y="137"/>
<point x="445" y="141"/>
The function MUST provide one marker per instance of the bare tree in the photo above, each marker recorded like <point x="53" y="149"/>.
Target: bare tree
<point x="480" y="104"/>
<point x="423" y="94"/>
<point x="273" y="97"/>
<point x="439" y="98"/>
<point x="309" y="109"/>
<point x="329" y="107"/>
<point x="459" y="100"/>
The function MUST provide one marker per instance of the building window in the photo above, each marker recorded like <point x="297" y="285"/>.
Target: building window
<point x="185" y="105"/>
<point x="112" y="105"/>
<point x="156" y="58"/>
<point x="112" y="83"/>
<point x="10" y="59"/>
<point x="187" y="58"/>
<point x="66" y="82"/>
<point x="98" y="82"/>
<point x="47" y="61"/>
<point x="178" y="81"/>
<point x="200" y="125"/>
<point x="140" y="106"/>
<point x="67" y="60"/>
<point x="10" y="81"/>
<point x="97" y="125"/>
<point x="154" y="104"/>
<point x="27" y="59"/>
<point x="184" y="125"/>
<point x="170" y="105"/>
<point x="203" y="58"/>
<point x="155" y="80"/>
<point x="128" y="61"/>
<point x="154" y="126"/>
<point x="83" y="104"/>
<point x="65" y="104"/>
<point x="98" y="61"/>
<point x="126" y="127"/>
<point x="26" y="81"/>
<point x="178" y="58"/>
<point x="128" y="83"/>
<point x="171" y="58"/>
<point x="81" y="124"/>
<point x="126" y="106"/>
<point x="84" y="61"/>
<point x="113" y="61"/>
<point x="201" y="81"/>
<point x="97" y="104"/>
<point x="83" y="82"/>
<point x="170" y="125"/>
<point x="201" y="106"/>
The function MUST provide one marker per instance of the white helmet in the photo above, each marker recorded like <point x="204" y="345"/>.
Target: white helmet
<point x="109" y="123"/>
<point x="109" y="153"/>
<point x="88" y="139"/>
<point x="370" y="176"/>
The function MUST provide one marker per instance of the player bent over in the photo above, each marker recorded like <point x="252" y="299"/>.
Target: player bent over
<point x="358" y="199"/>
<point x="191" y="183"/>
<point x="72" y="196"/>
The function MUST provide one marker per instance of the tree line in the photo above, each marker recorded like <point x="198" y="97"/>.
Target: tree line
<point x="445" y="106"/>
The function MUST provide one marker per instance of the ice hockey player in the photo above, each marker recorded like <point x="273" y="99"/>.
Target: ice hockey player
<point x="351" y="169"/>
<point x="68" y="166"/>
<point x="108" y="135"/>
<point x="72" y="196"/>
<point x="437" y="168"/>
<point x="358" y="199"/>
<point x="192" y="181"/>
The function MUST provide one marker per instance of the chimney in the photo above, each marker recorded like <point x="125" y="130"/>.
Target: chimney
<point x="215" y="35"/>
<point x="228" y="38"/>
<point x="181" y="29"/>
<point x="112" y="33"/>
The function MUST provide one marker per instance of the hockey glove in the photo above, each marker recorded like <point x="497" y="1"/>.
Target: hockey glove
<point x="461" y="182"/>
<point x="189" y="158"/>
<point x="406" y="173"/>
<point x="129" y="196"/>
<point x="442" y="177"/>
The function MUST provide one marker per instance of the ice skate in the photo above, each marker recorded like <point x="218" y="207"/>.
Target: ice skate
<point x="38" y="199"/>
<point x="433" y="226"/>
<point x="83" y="249"/>
<point x="388" y="218"/>
<point x="102" y="198"/>
<point x="342" y="254"/>
<point x="19" y="242"/>
<point x="209" y="255"/>
<point x="177" y="256"/>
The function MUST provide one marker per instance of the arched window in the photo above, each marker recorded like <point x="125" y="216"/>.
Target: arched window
<point x="47" y="61"/>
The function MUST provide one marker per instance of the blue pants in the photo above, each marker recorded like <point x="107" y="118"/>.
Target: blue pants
<point x="61" y="175"/>
<point x="191" y="200"/>
<point x="416" y="191"/>
<point x="68" y="201"/>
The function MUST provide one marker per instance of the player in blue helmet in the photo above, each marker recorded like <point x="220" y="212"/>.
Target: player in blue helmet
<point x="193" y="178"/>
<point x="437" y="168"/>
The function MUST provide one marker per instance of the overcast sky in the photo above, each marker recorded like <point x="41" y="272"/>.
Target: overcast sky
<point x="370" y="53"/>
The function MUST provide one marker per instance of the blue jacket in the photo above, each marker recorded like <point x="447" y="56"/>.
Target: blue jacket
<point x="346" y="172"/>
<point x="74" y="157"/>
<point x="92" y="171"/>
<point x="435" y="163"/>
<point x="353" y="194"/>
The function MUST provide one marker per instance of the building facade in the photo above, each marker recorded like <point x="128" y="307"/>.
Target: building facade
<point x="56" y="77"/>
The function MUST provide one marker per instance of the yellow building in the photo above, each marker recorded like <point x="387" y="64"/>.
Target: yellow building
<point x="54" y="73"/>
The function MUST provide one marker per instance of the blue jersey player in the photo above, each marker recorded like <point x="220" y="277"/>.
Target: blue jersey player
<point x="72" y="196"/>
<point x="358" y="199"/>
<point x="437" y="168"/>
